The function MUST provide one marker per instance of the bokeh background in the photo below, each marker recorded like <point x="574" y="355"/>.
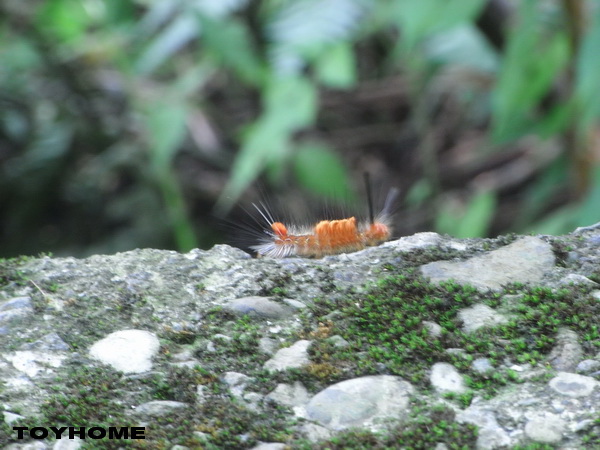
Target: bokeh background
<point x="146" y="123"/>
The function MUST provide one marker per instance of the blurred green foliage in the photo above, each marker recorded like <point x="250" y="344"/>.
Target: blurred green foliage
<point x="105" y="104"/>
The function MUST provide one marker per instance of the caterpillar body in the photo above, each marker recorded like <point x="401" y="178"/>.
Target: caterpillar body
<point x="326" y="237"/>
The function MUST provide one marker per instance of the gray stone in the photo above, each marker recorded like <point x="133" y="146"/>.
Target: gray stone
<point x="289" y="395"/>
<point x="572" y="384"/>
<point x="546" y="428"/>
<point x="433" y="328"/>
<point x="338" y="341"/>
<point x="524" y="261"/>
<point x="33" y="363"/>
<point x="236" y="382"/>
<point x="37" y="445"/>
<point x="489" y="435"/>
<point x="314" y="432"/>
<point x="290" y="358"/>
<point x="416" y="241"/>
<point x="364" y="401"/>
<point x="16" y="303"/>
<point x="567" y="351"/>
<point x="294" y="303"/>
<point x="267" y="345"/>
<point x="252" y="400"/>
<point x="129" y="351"/>
<point x="445" y="378"/>
<point x="11" y="311"/>
<point x="482" y="365"/>
<point x="51" y="342"/>
<point x="575" y="278"/>
<point x="10" y="417"/>
<point x="479" y="316"/>
<point x="159" y="407"/>
<point x="269" y="446"/>
<point x="588" y="366"/>
<point x="67" y="444"/>
<point x="261" y="307"/>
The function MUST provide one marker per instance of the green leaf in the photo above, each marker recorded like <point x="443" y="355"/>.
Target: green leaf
<point x="463" y="45"/>
<point x="524" y="80"/>
<point x="168" y="42"/>
<point x="587" y="85"/>
<point x="473" y="221"/>
<point x="336" y="66"/>
<point x="420" y="19"/>
<point x="478" y="215"/>
<point x="166" y="126"/>
<point x="320" y="170"/>
<point x="65" y="19"/>
<point x="230" y="43"/>
<point x="291" y="103"/>
<point x="298" y="30"/>
<point x="263" y="143"/>
<point x="589" y="211"/>
<point x="418" y="193"/>
<point x="558" y="222"/>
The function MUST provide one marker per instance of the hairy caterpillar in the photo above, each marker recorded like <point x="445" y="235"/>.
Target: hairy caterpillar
<point x="327" y="237"/>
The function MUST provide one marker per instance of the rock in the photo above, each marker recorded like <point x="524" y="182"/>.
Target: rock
<point x="418" y="240"/>
<point x="17" y="303"/>
<point x="587" y="366"/>
<point x="314" y="432"/>
<point x="524" y="261"/>
<point x="269" y="446"/>
<point x="129" y="351"/>
<point x="546" y="428"/>
<point x="67" y="444"/>
<point x="479" y="316"/>
<point x="267" y="345"/>
<point x="51" y="342"/>
<point x="338" y="341"/>
<point x="490" y="435"/>
<point x="261" y="307"/>
<point x="37" y="445"/>
<point x="363" y="401"/>
<point x="575" y="278"/>
<point x="434" y="329"/>
<point x="445" y="378"/>
<point x="33" y="363"/>
<point x="573" y="385"/>
<point x="236" y="382"/>
<point x="10" y="417"/>
<point x="294" y="303"/>
<point x="159" y="407"/>
<point x="12" y="311"/>
<point x="290" y="357"/>
<point x="482" y="365"/>
<point x="289" y="395"/>
<point x="567" y="352"/>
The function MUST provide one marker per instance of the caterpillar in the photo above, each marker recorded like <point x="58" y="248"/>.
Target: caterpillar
<point x="326" y="237"/>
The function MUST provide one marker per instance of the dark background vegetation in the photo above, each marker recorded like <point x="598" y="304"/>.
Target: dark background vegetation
<point x="141" y="123"/>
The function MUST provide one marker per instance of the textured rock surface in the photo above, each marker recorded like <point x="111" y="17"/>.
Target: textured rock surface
<point x="215" y="349"/>
<point x="360" y="401"/>
<point x="524" y="261"/>
<point x="129" y="351"/>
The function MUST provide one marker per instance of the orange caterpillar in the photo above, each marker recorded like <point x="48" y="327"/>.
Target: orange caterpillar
<point x="327" y="237"/>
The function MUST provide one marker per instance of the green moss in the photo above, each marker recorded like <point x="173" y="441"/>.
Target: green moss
<point x="11" y="271"/>
<point x="385" y="331"/>
<point x="87" y="399"/>
<point x="425" y="428"/>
